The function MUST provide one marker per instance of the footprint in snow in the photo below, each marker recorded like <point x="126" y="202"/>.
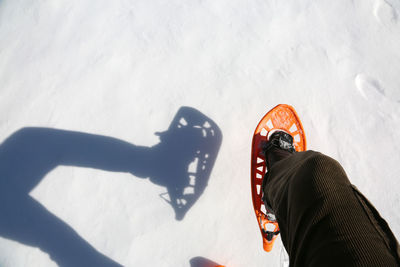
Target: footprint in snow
<point x="373" y="92"/>
<point x="385" y="12"/>
<point x="368" y="87"/>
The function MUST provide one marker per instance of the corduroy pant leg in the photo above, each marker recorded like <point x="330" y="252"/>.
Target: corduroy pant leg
<point x="324" y="220"/>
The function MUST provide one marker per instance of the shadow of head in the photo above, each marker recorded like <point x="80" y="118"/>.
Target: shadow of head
<point x="184" y="158"/>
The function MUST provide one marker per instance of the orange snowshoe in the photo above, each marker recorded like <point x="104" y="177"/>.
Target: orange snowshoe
<point x="284" y="118"/>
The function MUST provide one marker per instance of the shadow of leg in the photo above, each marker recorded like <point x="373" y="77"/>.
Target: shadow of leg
<point x="27" y="221"/>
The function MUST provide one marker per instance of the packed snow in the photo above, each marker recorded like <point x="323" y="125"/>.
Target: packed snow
<point x="126" y="125"/>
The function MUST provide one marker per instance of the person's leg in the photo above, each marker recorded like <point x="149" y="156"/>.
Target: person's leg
<point x="324" y="220"/>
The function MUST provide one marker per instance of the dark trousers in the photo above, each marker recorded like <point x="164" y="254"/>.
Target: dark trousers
<point x="324" y="220"/>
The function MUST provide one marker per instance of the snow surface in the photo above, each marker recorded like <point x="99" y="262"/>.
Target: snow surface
<point x="97" y="79"/>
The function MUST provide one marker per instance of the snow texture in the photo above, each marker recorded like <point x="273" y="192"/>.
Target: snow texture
<point x="84" y="86"/>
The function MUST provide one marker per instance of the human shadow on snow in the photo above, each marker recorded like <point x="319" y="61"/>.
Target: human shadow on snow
<point x="182" y="162"/>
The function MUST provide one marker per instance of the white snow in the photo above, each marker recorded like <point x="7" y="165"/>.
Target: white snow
<point x="122" y="69"/>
